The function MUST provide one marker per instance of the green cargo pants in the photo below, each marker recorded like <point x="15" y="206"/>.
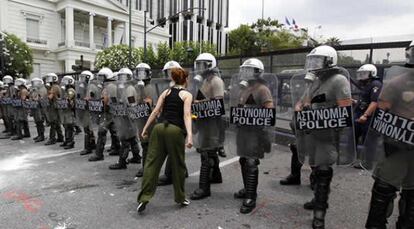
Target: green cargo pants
<point x="166" y="139"/>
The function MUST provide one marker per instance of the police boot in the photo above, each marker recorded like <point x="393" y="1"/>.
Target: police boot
<point x="204" y="184"/>
<point x="70" y="143"/>
<point x="221" y="152"/>
<point x="19" y="133"/>
<point x="115" y="144"/>
<point x="322" y="189"/>
<point x="136" y="158"/>
<point x="122" y="164"/>
<point x="241" y="194"/>
<point x="295" y="168"/>
<point x="144" y="146"/>
<point x="252" y="179"/>
<point x="312" y="178"/>
<point x="26" y="129"/>
<point x="41" y="132"/>
<point x="65" y="142"/>
<point x="86" y="144"/>
<point x="406" y="206"/>
<point x="60" y="137"/>
<point x="381" y="205"/>
<point x="215" y="177"/>
<point x="100" y="146"/>
<point x="77" y="130"/>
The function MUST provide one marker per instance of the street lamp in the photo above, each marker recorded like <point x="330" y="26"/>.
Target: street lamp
<point x="160" y="24"/>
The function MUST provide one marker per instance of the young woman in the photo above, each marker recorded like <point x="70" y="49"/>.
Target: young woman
<point x="168" y="138"/>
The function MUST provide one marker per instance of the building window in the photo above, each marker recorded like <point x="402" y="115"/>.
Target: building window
<point x="227" y="13"/>
<point x="149" y="8"/>
<point x="32" y="28"/>
<point x="191" y="30"/>
<point x="160" y="9"/>
<point x="185" y="29"/>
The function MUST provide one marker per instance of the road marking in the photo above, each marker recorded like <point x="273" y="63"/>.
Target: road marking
<point x="63" y="153"/>
<point x="222" y="164"/>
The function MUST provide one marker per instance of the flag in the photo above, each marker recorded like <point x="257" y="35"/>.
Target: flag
<point x="295" y="26"/>
<point x="287" y="21"/>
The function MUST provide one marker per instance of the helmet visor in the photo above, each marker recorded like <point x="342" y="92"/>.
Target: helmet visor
<point x="409" y="55"/>
<point x="122" y="77"/>
<point x="362" y="75"/>
<point x="37" y="83"/>
<point x="202" y="65"/>
<point x="315" y="63"/>
<point x="168" y="74"/>
<point x="142" y="74"/>
<point x="7" y="81"/>
<point x="247" y="73"/>
<point x="49" y="79"/>
<point x="101" y="77"/>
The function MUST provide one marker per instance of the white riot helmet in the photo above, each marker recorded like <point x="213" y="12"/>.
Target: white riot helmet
<point x="142" y="72"/>
<point x="124" y="75"/>
<point x="67" y="81"/>
<point x="37" y="82"/>
<point x="7" y="79"/>
<point x="204" y="63"/>
<point x="366" y="71"/>
<point x="409" y="54"/>
<point x="105" y="74"/>
<point x="168" y="66"/>
<point x="321" y="58"/>
<point x="1" y="84"/>
<point x="251" y="69"/>
<point x="51" y="78"/>
<point x="86" y="76"/>
<point x="20" y="82"/>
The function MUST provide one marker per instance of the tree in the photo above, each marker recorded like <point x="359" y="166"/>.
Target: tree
<point x="333" y="41"/>
<point x="18" y="57"/>
<point x="242" y="41"/>
<point x="116" y="57"/>
<point x="163" y="54"/>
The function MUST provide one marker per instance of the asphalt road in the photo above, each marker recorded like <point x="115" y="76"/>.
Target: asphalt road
<point x="46" y="187"/>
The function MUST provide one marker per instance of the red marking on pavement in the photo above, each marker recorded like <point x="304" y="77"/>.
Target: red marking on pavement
<point x="261" y="205"/>
<point x="29" y="203"/>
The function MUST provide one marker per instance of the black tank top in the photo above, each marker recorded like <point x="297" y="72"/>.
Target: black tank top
<point x="173" y="110"/>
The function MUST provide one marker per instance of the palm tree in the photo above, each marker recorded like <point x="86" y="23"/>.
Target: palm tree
<point x="333" y="41"/>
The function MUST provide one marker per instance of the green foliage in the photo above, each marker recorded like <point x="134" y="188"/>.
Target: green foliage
<point x="333" y="41"/>
<point x="264" y="35"/>
<point x="116" y="57"/>
<point x="18" y="57"/>
<point x="185" y="53"/>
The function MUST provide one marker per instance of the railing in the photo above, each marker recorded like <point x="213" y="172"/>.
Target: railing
<point x="82" y="44"/>
<point x="36" y="41"/>
<point x="61" y="44"/>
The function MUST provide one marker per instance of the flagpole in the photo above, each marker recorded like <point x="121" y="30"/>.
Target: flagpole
<point x="262" y="9"/>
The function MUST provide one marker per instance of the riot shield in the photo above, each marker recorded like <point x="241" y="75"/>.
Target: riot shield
<point x="252" y="115"/>
<point x="44" y="102"/>
<point x="95" y="104"/>
<point x="118" y="108"/>
<point x="389" y="144"/>
<point x="81" y="108"/>
<point x="138" y="108"/>
<point x="324" y="131"/>
<point x="160" y="85"/>
<point x="207" y="110"/>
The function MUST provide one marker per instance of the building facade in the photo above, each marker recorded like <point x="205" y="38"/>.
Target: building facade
<point x="60" y="31"/>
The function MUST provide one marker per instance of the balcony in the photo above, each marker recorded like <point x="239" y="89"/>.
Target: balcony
<point x="82" y="44"/>
<point x="36" y="41"/>
<point x="61" y="44"/>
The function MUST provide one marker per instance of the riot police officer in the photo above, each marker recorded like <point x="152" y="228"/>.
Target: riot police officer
<point x="66" y="105"/>
<point x="106" y="79"/>
<point x="10" y="94"/>
<point x="252" y="141"/>
<point x="53" y="113"/>
<point x="394" y="171"/>
<point x="145" y="95"/>
<point x="209" y="129"/>
<point x="127" y="131"/>
<point x="20" y="112"/>
<point x="38" y="91"/>
<point x="326" y="86"/>
<point x="370" y="86"/>
<point x="82" y="116"/>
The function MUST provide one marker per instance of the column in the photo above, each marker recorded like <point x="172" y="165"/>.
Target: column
<point x="195" y="27"/>
<point x="70" y="29"/>
<point x="92" y="65"/>
<point x="180" y="25"/>
<point x="91" y="31"/>
<point x="126" y="33"/>
<point x="109" y="32"/>
<point x="68" y="65"/>
<point x="214" y="33"/>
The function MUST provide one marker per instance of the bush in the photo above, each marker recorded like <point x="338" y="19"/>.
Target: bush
<point x="18" y="57"/>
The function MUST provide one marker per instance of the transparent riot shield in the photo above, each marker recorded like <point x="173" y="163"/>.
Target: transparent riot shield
<point x="95" y="103"/>
<point x="81" y="108"/>
<point x="324" y="130"/>
<point x="160" y="85"/>
<point x="118" y="108"/>
<point x="44" y="102"/>
<point x="252" y="115"/>
<point x="208" y="110"/>
<point x="139" y="104"/>
<point x="389" y="145"/>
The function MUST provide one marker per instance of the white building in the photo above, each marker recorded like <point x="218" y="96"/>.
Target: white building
<point x="60" y="31"/>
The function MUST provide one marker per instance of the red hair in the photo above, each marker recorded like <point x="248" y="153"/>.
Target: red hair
<point x="179" y="75"/>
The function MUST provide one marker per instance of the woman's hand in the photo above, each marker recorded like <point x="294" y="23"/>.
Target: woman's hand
<point x="144" y="134"/>
<point x="363" y="119"/>
<point x="189" y="143"/>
